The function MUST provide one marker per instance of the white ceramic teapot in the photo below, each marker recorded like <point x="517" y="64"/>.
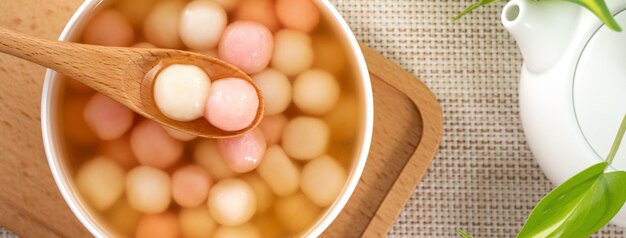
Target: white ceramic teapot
<point x="573" y="84"/>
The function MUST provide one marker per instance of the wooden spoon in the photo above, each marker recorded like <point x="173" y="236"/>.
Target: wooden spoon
<point x="125" y="74"/>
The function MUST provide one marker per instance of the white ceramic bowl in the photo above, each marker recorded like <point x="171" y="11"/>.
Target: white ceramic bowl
<point x="60" y="167"/>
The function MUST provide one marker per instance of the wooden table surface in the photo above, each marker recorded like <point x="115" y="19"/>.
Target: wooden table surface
<point x="31" y="205"/>
<point x="21" y="145"/>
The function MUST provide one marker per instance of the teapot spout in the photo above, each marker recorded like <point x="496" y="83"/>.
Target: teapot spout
<point x="543" y="30"/>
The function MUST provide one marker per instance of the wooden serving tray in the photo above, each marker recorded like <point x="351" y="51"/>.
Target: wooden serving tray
<point x="407" y="130"/>
<point x="408" y="125"/>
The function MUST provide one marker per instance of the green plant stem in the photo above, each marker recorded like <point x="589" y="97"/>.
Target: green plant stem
<point x="617" y="142"/>
<point x="463" y="234"/>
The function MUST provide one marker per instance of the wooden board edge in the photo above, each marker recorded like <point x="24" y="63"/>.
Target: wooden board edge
<point x="432" y="119"/>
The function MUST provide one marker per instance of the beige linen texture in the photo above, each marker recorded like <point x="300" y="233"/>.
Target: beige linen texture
<point x="484" y="179"/>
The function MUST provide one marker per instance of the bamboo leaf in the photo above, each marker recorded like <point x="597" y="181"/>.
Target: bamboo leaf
<point x="580" y="206"/>
<point x="463" y="234"/>
<point x="472" y="7"/>
<point x="599" y="8"/>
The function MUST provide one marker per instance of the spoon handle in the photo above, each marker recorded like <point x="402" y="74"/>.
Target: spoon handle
<point x="64" y="57"/>
<point x="106" y="69"/>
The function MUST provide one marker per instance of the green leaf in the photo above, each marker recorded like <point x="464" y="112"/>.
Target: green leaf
<point x="472" y="7"/>
<point x="580" y="206"/>
<point x="618" y="141"/>
<point x="463" y="233"/>
<point x="599" y="8"/>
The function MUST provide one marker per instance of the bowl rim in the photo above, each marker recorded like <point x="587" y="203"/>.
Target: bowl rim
<point x="48" y="125"/>
<point x="52" y="146"/>
<point x="366" y="139"/>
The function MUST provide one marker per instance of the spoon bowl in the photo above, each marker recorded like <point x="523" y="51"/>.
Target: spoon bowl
<point x="125" y="74"/>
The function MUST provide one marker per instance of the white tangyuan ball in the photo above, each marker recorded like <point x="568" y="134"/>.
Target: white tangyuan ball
<point x="161" y="26"/>
<point x="122" y="217"/>
<point x="101" y="181"/>
<point x="228" y="5"/>
<point x="207" y="155"/>
<point x="263" y="193"/>
<point x="244" y="231"/>
<point x="286" y="208"/>
<point x="136" y="10"/>
<point x="196" y="222"/>
<point x="148" y="189"/>
<point x="232" y="202"/>
<point x="293" y="52"/>
<point x="280" y="173"/>
<point x="316" y="92"/>
<point x="322" y="180"/>
<point x="276" y="90"/>
<point x="305" y="138"/>
<point x="201" y="24"/>
<point x="272" y="128"/>
<point x="301" y="15"/>
<point x="179" y="135"/>
<point x="181" y="92"/>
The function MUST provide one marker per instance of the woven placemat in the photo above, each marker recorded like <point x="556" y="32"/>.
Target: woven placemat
<point x="4" y="233"/>
<point x="484" y="179"/>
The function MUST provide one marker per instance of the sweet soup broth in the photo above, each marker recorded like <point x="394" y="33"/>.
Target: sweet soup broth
<point x="140" y="179"/>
